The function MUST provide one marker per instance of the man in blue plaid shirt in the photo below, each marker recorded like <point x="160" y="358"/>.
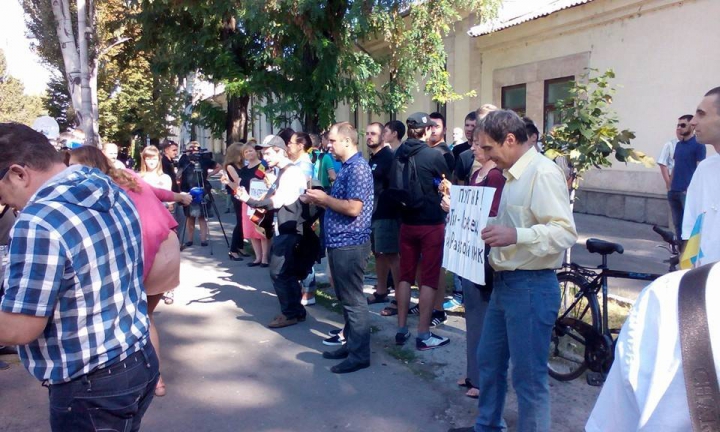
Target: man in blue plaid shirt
<point x="74" y="302"/>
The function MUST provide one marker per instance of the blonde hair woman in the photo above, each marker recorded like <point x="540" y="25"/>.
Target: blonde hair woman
<point x="242" y="176"/>
<point x="151" y="169"/>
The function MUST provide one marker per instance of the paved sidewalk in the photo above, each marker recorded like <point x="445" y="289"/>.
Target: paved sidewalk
<point x="226" y="371"/>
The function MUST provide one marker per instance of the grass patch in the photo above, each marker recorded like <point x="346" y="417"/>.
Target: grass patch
<point x="405" y="355"/>
<point x="328" y="301"/>
<point x="617" y="313"/>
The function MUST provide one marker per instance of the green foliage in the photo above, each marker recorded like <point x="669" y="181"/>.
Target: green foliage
<point x="15" y="105"/>
<point x="209" y="116"/>
<point x="589" y="134"/>
<point x="57" y="103"/>
<point x="306" y="57"/>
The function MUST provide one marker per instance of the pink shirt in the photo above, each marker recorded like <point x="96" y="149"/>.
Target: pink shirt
<point x="155" y="220"/>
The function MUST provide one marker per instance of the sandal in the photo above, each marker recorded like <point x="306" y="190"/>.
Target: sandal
<point x="169" y="297"/>
<point x="464" y="382"/>
<point x="473" y="393"/>
<point x="390" y="310"/>
<point x="377" y="298"/>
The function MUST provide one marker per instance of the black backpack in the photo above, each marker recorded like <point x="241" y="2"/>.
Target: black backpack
<point x="406" y="185"/>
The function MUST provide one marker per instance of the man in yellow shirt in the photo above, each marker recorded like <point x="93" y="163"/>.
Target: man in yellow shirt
<point x="533" y="228"/>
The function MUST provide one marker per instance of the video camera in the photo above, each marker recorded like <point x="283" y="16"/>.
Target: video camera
<point x="195" y="155"/>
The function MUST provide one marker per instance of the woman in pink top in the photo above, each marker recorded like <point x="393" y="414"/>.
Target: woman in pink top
<point x="161" y="247"/>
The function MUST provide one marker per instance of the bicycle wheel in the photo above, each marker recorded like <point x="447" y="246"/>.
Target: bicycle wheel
<point x="577" y="320"/>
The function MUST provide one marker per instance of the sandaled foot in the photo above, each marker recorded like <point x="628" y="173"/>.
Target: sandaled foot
<point x="375" y="298"/>
<point x="390" y="310"/>
<point x="473" y="393"/>
<point x="464" y="382"/>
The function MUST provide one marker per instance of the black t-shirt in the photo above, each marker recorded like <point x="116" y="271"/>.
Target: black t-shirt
<point x="458" y="149"/>
<point x="190" y="178"/>
<point x="169" y="169"/>
<point x="463" y="166"/>
<point x="381" y="164"/>
<point x="447" y="155"/>
<point x="248" y="174"/>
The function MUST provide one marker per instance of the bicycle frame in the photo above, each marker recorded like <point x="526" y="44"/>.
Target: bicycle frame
<point x="598" y="282"/>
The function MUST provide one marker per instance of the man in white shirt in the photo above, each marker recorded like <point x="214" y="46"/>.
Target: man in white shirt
<point x="703" y="194"/>
<point x="645" y="389"/>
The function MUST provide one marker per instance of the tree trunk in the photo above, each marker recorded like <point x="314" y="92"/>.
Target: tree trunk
<point x="71" y="57"/>
<point x="237" y="118"/>
<point x="86" y="107"/>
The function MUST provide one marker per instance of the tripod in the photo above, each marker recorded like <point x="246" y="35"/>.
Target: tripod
<point x="201" y="198"/>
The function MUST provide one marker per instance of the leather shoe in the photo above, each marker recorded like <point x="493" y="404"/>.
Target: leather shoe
<point x="281" y="321"/>
<point x="348" y="367"/>
<point x="336" y="355"/>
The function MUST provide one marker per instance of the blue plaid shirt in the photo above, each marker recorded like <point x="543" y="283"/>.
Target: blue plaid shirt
<point x="76" y="258"/>
<point x="354" y="182"/>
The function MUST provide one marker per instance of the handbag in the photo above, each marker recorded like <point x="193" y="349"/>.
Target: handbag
<point x="701" y="382"/>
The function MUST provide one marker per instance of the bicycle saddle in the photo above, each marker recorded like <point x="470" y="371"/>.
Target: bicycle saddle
<point x="603" y="247"/>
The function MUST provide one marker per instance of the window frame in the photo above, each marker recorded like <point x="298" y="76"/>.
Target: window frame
<point x="505" y="89"/>
<point x="550" y="107"/>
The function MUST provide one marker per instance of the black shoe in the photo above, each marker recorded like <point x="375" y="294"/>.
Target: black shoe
<point x="253" y="264"/>
<point x="203" y="243"/>
<point x="348" y="367"/>
<point x="401" y="338"/>
<point x="232" y="257"/>
<point x="188" y="244"/>
<point x="336" y="355"/>
<point x="264" y="265"/>
<point x="415" y="310"/>
<point x="438" y="318"/>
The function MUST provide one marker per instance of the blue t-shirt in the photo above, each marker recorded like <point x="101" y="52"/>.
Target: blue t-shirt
<point x="354" y="182"/>
<point x="688" y="155"/>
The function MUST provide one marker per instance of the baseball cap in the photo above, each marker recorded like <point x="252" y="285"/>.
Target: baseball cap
<point x="272" y="141"/>
<point x="418" y="120"/>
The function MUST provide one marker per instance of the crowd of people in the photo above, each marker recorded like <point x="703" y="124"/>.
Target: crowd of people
<point x="95" y="247"/>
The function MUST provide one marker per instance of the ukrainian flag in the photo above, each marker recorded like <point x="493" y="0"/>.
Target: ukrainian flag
<point x="692" y="253"/>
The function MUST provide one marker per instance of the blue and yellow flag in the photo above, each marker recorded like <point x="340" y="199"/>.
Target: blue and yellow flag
<point x="692" y="253"/>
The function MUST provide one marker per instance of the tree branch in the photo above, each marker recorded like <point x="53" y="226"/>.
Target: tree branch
<point x="112" y="45"/>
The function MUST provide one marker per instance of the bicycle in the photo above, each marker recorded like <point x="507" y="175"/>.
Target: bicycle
<point x="581" y="337"/>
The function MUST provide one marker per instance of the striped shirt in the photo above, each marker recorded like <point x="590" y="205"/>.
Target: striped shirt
<point x="76" y="258"/>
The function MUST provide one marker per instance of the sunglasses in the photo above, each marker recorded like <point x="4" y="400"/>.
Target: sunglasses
<point x="682" y="125"/>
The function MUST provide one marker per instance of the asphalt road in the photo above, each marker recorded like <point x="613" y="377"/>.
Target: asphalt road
<point x="226" y="371"/>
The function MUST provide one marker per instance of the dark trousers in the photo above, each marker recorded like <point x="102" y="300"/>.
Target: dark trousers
<point x="347" y="265"/>
<point x="236" y="245"/>
<point x="677" y="208"/>
<point x="114" y="398"/>
<point x="284" y="275"/>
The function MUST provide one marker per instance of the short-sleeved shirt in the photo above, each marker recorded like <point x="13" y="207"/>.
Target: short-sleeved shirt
<point x="667" y="155"/>
<point x="354" y="182"/>
<point x="688" y="154"/>
<point x="326" y="162"/>
<point x="169" y="168"/>
<point x="76" y="258"/>
<point x="381" y="165"/>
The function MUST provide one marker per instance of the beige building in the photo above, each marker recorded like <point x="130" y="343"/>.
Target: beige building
<point x="664" y="53"/>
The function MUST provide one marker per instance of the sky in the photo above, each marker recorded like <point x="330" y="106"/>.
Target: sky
<point x="22" y="62"/>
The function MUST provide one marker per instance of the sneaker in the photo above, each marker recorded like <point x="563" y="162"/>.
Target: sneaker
<point x="308" y="302"/>
<point x="334" y="332"/>
<point x="454" y="303"/>
<point x="415" y="310"/>
<point x="438" y="318"/>
<point x="401" y="338"/>
<point x="335" y="340"/>
<point x="434" y="341"/>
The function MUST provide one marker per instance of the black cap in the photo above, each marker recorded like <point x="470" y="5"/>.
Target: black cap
<point x="419" y="120"/>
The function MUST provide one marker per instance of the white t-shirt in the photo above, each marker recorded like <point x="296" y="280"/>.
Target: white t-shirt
<point x="667" y="155"/>
<point x="645" y="389"/>
<point x="703" y="196"/>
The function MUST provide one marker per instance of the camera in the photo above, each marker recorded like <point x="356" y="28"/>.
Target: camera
<point x="196" y="155"/>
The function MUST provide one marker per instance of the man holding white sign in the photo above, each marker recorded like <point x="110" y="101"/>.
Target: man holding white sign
<point x="533" y="229"/>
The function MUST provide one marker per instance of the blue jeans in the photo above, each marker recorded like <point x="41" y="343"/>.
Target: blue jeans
<point x="518" y="323"/>
<point x="109" y="399"/>
<point x="347" y="265"/>
<point x="677" y="208"/>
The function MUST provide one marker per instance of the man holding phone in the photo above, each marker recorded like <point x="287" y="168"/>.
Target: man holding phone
<point x="348" y="215"/>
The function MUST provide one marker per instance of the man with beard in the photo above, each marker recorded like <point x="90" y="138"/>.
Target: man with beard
<point x="385" y="237"/>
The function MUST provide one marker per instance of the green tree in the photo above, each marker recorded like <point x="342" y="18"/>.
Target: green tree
<point x="304" y="57"/>
<point x="588" y="134"/>
<point x="15" y="105"/>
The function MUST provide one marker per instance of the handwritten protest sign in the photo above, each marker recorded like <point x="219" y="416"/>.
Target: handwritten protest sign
<point x="258" y="189"/>
<point x="464" y="252"/>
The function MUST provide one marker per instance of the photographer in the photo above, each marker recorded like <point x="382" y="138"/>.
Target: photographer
<point x="195" y="167"/>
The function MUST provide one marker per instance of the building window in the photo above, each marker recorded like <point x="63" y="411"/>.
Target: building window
<point x="514" y="98"/>
<point x="555" y="90"/>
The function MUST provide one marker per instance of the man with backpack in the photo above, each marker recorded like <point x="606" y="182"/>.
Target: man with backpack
<point x="416" y="172"/>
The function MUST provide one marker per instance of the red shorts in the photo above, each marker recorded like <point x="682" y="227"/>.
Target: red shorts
<point x="421" y="245"/>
